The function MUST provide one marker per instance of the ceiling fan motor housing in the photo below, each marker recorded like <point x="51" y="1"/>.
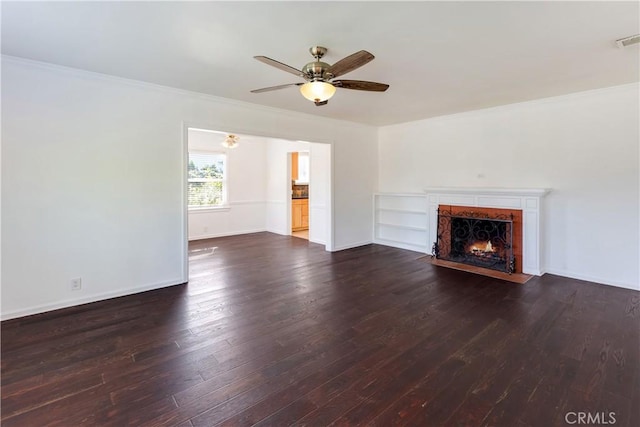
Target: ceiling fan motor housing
<point x="317" y="70"/>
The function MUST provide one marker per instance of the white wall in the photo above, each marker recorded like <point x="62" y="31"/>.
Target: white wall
<point x="584" y="146"/>
<point x="246" y="188"/>
<point x="93" y="180"/>
<point x="319" y="192"/>
<point x="358" y="170"/>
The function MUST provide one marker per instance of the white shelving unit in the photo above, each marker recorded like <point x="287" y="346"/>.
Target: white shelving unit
<point x="401" y="221"/>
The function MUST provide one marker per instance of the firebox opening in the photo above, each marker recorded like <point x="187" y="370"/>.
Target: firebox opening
<point x="480" y="242"/>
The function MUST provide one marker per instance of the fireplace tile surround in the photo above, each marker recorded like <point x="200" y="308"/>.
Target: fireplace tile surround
<point x="511" y="219"/>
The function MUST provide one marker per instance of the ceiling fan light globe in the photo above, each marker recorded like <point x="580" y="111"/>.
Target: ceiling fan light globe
<point x="317" y="91"/>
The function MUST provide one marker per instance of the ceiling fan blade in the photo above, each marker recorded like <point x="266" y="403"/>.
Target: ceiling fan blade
<point x="350" y="63"/>
<point x="268" y="89"/>
<point x="279" y="65"/>
<point x="321" y="103"/>
<point x="361" y="85"/>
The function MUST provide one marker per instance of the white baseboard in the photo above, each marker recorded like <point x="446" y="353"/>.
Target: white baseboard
<point x="533" y="272"/>
<point x="400" y="245"/>
<point x="351" y="246"/>
<point x="594" y="279"/>
<point x="280" y="232"/>
<point x="232" y="233"/>
<point x="87" y="299"/>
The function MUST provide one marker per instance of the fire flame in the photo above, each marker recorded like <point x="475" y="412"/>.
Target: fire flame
<point x="488" y="248"/>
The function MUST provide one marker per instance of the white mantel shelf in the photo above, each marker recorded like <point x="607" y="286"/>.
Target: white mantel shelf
<point x="529" y="200"/>
<point x="497" y="191"/>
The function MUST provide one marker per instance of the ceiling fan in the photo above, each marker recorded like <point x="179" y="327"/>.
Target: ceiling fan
<point x="320" y="86"/>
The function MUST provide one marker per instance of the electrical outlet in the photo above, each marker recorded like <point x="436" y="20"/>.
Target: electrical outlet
<point x="76" y="284"/>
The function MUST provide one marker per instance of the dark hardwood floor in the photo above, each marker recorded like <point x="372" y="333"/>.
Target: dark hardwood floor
<point x="274" y="331"/>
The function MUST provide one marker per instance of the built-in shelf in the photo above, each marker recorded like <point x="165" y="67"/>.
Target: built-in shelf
<point x="402" y="211"/>
<point x="406" y="227"/>
<point x="401" y="220"/>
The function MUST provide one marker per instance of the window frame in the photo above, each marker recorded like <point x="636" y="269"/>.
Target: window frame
<point x="225" y="179"/>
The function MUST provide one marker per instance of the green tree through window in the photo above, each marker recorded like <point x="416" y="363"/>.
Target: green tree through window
<point x="206" y="179"/>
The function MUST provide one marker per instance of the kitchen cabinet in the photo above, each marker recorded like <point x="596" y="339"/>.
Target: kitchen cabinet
<point x="299" y="214"/>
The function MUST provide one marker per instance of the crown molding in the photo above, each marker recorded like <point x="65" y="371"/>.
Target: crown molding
<point x="77" y="72"/>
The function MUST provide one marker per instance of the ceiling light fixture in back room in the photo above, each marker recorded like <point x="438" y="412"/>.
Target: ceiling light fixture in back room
<point x="231" y="141"/>
<point x="320" y="86"/>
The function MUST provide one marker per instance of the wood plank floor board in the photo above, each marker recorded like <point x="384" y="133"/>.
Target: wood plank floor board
<point x="71" y="410"/>
<point x="507" y="409"/>
<point x="409" y="368"/>
<point x="496" y="379"/>
<point x="406" y="407"/>
<point x="273" y="384"/>
<point x="238" y="395"/>
<point x="43" y="394"/>
<point x="449" y="398"/>
<point x="148" y="390"/>
<point x="286" y="416"/>
<point x="550" y="391"/>
<point x="365" y="377"/>
<point x="273" y="330"/>
<point x="471" y="412"/>
<point x="288" y="396"/>
<point x="435" y="347"/>
<point x="131" y="415"/>
<point x="634" y="408"/>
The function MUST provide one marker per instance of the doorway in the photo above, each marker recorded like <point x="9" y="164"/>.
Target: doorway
<point x="300" y="189"/>
<point x="308" y="191"/>
<point x="257" y="194"/>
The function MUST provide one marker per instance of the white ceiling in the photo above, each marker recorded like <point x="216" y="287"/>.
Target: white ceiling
<point x="438" y="57"/>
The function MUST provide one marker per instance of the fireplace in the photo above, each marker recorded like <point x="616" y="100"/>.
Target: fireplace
<point x="526" y="205"/>
<point x="480" y="237"/>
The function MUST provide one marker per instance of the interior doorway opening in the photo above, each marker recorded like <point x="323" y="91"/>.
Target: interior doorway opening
<point x="300" y="190"/>
<point x="309" y="188"/>
<point x="253" y="193"/>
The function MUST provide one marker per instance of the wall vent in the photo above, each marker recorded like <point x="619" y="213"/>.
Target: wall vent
<point x="627" y="41"/>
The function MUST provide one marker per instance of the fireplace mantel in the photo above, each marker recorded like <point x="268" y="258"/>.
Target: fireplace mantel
<point x="496" y="191"/>
<point x="529" y="200"/>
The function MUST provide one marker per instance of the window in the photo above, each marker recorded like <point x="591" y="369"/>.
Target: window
<point x="207" y="179"/>
<point x="303" y="168"/>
